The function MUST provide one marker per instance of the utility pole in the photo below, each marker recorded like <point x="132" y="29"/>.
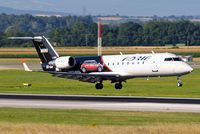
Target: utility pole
<point x="100" y="30"/>
<point x="99" y="37"/>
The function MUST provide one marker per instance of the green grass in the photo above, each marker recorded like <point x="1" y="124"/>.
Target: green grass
<point x="11" y="81"/>
<point x="194" y="54"/>
<point x="18" y="56"/>
<point x="94" y="117"/>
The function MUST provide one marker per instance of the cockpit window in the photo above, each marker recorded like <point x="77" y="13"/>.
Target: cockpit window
<point x="177" y="59"/>
<point x="168" y="59"/>
<point x="173" y="59"/>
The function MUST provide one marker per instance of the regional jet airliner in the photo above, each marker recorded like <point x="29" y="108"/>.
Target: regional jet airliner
<point x="116" y="68"/>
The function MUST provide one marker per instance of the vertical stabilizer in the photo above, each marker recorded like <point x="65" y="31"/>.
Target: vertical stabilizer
<point x="44" y="49"/>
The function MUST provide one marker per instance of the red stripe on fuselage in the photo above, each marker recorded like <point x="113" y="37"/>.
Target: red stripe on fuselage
<point x="104" y="64"/>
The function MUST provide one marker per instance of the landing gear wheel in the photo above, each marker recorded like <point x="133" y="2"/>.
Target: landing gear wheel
<point x="118" y="86"/>
<point x="179" y="84"/>
<point x="84" y="70"/>
<point x="99" y="69"/>
<point x="99" y="86"/>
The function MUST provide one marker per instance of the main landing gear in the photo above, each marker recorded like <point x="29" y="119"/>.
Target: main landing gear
<point x="179" y="84"/>
<point x="99" y="85"/>
<point x="118" y="86"/>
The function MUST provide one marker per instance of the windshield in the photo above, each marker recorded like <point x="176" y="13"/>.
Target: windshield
<point x="173" y="59"/>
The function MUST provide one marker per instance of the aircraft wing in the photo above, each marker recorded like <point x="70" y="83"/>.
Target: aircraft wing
<point x="85" y="77"/>
<point x="89" y="77"/>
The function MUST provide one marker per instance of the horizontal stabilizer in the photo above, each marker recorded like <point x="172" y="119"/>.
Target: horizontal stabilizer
<point x="36" y="38"/>
<point x="21" y="38"/>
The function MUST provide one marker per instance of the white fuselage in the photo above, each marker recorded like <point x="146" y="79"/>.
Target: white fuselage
<point x="142" y="65"/>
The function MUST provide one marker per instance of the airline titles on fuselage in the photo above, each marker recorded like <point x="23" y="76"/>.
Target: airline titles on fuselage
<point x="139" y="58"/>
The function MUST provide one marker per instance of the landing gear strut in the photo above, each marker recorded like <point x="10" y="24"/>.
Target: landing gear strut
<point x="99" y="86"/>
<point x="118" y="86"/>
<point x="179" y="84"/>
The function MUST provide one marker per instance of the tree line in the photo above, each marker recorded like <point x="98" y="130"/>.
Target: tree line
<point x="82" y="31"/>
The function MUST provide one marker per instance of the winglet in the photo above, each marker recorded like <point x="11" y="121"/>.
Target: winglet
<point x="26" y="68"/>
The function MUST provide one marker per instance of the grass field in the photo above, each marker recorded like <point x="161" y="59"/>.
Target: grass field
<point x="40" y="121"/>
<point x="44" y="83"/>
<point x="89" y="50"/>
<point x="31" y="53"/>
<point x="94" y="117"/>
<point x="10" y="128"/>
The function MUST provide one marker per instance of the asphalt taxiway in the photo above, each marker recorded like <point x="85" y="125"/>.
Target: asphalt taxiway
<point x="121" y="103"/>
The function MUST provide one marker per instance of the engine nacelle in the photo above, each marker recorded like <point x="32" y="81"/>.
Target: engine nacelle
<point x="65" y="62"/>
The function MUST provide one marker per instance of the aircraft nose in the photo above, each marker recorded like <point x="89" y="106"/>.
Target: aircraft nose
<point x="188" y="69"/>
<point x="183" y="69"/>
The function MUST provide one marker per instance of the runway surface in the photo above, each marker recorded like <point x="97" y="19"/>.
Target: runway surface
<point x="101" y="103"/>
<point x="18" y="65"/>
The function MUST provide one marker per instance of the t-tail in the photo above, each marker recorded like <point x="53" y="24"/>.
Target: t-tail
<point x="50" y="60"/>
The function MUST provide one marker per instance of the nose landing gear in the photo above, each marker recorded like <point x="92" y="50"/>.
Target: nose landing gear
<point x="179" y="84"/>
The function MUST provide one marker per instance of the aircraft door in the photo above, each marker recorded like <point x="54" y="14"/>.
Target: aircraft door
<point x="154" y="67"/>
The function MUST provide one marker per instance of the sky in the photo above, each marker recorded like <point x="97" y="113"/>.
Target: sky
<point x="110" y="7"/>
